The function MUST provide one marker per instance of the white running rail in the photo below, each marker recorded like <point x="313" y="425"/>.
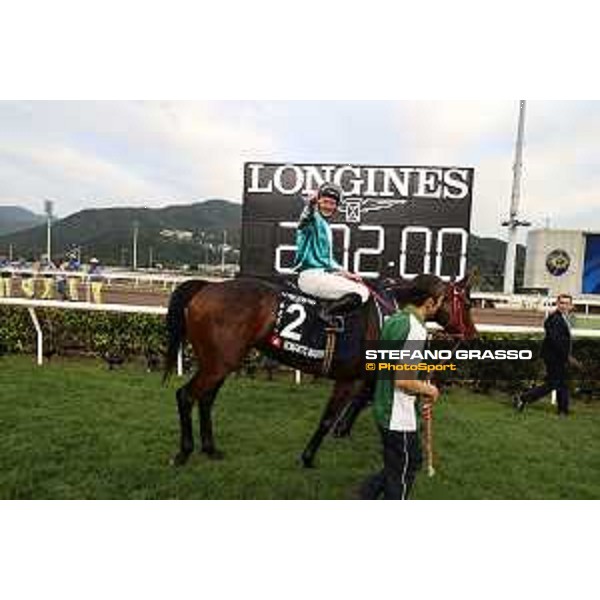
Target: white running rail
<point x="31" y="305"/>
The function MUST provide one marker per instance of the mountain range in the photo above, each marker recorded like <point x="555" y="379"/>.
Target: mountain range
<point x="16" y="218"/>
<point x="107" y="233"/>
<point x="177" y="235"/>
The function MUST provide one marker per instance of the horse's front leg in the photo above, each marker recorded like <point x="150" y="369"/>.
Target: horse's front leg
<point x="339" y="397"/>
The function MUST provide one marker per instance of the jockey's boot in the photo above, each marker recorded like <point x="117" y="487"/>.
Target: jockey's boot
<point x="343" y="305"/>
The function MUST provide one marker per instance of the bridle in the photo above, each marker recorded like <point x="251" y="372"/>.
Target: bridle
<point x="458" y="300"/>
<point x="456" y="296"/>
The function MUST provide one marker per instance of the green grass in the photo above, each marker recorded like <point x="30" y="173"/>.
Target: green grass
<point x="587" y="322"/>
<point x="74" y="430"/>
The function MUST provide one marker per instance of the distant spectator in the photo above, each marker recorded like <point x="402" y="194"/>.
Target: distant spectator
<point x="27" y="280"/>
<point x="96" y="280"/>
<point x="6" y="274"/>
<point x="73" y="265"/>
<point x="61" y="281"/>
<point x="48" y="277"/>
<point x="73" y="262"/>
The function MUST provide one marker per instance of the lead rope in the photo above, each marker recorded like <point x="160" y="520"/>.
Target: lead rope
<point x="427" y="414"/>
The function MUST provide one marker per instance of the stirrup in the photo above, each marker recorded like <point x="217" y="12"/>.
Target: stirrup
<point x="334" y="323"/>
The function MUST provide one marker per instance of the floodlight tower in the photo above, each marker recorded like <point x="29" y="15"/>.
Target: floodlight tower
<point x="48" y="207"/>
<point x="514" y="222"/>
<point x="223" y="251"/>
<point x="136" y="229"/>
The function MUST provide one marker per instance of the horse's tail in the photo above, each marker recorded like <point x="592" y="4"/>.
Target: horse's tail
<point x="175" y="321"/>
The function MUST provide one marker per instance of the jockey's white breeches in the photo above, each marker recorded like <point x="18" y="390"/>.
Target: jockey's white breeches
<point x="330" y="286"/>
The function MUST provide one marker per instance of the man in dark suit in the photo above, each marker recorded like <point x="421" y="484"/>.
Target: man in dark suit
<point x="556" y="353"/>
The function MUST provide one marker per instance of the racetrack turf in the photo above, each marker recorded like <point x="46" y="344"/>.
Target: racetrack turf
<point x="73" y="429"/>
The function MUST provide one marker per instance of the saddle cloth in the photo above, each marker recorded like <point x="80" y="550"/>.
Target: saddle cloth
<point x="300" y="336"/>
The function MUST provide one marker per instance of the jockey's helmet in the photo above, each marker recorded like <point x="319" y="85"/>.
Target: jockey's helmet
<point x="330" y="190"/>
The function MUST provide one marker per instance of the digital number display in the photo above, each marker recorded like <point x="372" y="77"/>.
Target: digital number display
<point x="395" y="221"/>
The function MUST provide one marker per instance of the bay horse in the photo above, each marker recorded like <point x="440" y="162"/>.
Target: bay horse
<point x="223" y="321"/>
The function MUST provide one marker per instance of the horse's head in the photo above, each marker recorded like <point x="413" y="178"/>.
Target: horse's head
<point x="454" y="315"/>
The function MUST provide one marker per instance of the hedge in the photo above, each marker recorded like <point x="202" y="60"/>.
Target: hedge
<point x="127" y="335"/>
<point x="92" y="333"/>
<point x="86" y="332"/>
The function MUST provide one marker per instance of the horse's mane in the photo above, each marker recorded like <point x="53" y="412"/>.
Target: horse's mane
<point x="401" y="289"/>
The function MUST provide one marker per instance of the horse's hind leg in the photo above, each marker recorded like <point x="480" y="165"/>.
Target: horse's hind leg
<point x="184" y="407"/>
<point x="337" y="401"/>
<point x="345" y="423"/>
<point x="205" y="405"/>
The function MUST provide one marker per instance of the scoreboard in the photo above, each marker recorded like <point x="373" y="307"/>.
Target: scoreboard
<point x="394" y="221"/>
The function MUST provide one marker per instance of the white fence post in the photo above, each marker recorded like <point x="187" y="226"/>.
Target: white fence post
<point x="40" y="336"/>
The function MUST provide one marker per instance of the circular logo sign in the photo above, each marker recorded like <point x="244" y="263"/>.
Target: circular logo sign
<point x="558" y="262"/>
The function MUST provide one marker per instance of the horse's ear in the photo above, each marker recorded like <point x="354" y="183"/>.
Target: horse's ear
<point x="470" y="280"/>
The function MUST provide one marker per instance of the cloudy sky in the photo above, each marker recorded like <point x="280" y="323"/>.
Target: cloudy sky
<point x="97" y="154"/>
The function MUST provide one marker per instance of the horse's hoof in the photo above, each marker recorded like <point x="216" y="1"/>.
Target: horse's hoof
<point x="307" y="463"/>
<point x="180" y="459"/>
<point x="215" y="454"/>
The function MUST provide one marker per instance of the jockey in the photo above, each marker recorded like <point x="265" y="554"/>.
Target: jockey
<point x="320" y="275"/>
